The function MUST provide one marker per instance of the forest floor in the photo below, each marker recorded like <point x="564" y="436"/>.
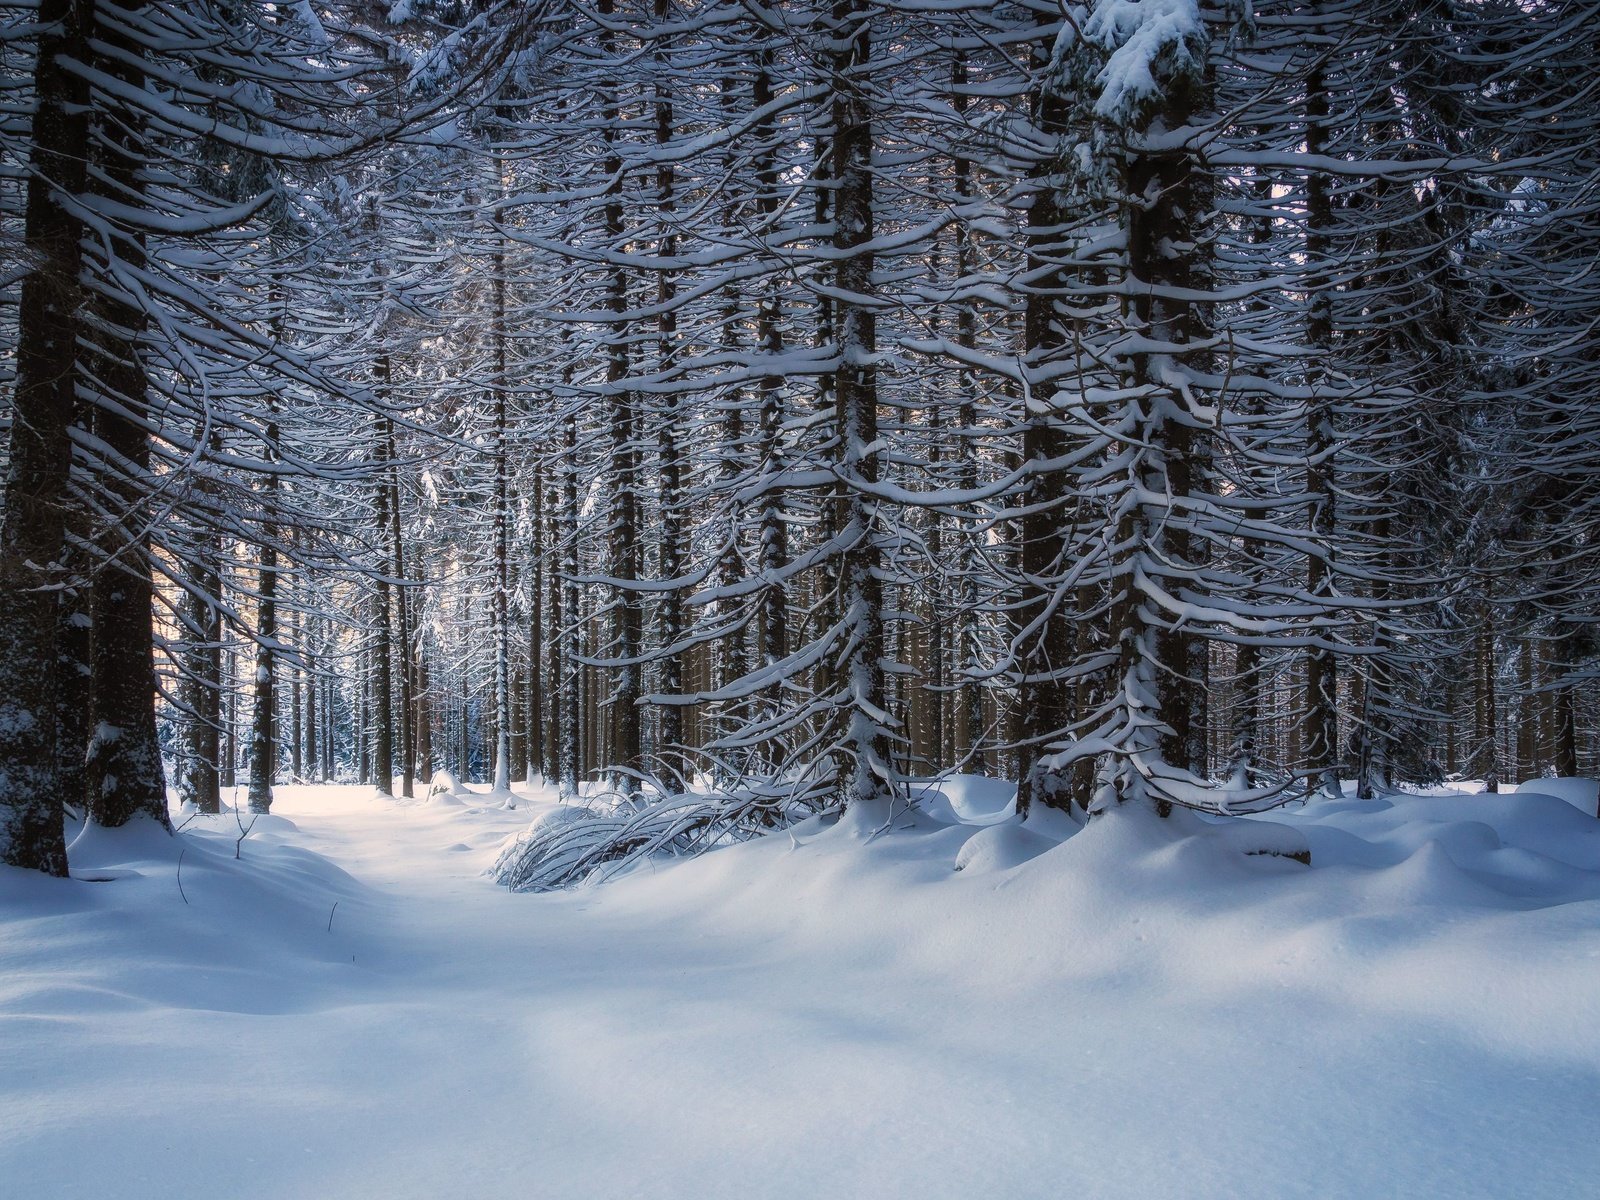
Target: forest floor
<point x="352" y="1008"/>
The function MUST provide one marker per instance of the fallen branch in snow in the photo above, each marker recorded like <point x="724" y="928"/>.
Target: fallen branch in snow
<point x="570" y="844"/>
<point x="1299" y="856"/>
<point x="573" y="844"/>
<point x="331" y="911"/>
<point x="181" y="892"/>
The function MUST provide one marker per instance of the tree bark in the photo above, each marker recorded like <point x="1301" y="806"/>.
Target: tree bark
<point x="1321" y="747"/>
<point x="870" y="778"/>
<point x="624" y="532"/>
<point x="1043" y="636"/>
<point x="31" y="535"/>
<point x="124" y="776"/>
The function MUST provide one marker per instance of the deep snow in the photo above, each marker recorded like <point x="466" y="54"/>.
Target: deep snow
<point x="823" y="1013"/>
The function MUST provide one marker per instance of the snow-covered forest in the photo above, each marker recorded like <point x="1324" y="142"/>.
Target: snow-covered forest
<point x="1142" y="455"/>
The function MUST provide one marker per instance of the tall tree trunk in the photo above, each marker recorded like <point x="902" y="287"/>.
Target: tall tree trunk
<point x="296" y="708"/>
<point x="124" y="773"/>
<point x="671" y="537"/>
<point x="424" y="719"/>
<point x="1321" y="747"/>
<point x="1486" y="723"/>
<point x="228" y="773"/>
<point x="500" y="334"/>
<point x="538" y="764"/>
<point x="1044" y="640"/>
<point x="773" y="533"/>
<point x="1245" y="738"/>
<point x="624" y="532"/>
<point x="1527" y="709"/>
<point x="381" y="721"/>
<point x="871" y="780"/>
<point x="829" y="498"/>
<point x="313" y="764"/>
<point x="404" y="633"/>
<point x="363" y="711"/>
<point x="967" y="634"/>
<point x="568" y="618"/>
<point x="264" y="715"/>
<point x="31" y="535"/>
<point x="1151" y="721"/>
<point x="75" y="655"/>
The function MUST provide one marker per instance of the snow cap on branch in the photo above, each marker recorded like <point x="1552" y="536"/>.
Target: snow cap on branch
<point x="1152" y="45"/>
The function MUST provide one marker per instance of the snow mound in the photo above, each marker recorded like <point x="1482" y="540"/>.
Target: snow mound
<point x="178" y="921"/>
<point x="141" y="840"/>
<point x="445" y="788"/>
<point x="1269" y="839"/>
<point x="1001" y="847"/>
<point x="965" y="800"/>
<point x="265" y="824"/>
<point x="1582" y="794"/>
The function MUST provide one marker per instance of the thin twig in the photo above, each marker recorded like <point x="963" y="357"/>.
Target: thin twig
<point x="331" y="911"/>
<point x="244" y="830"/>
<point x="181" y="892"/>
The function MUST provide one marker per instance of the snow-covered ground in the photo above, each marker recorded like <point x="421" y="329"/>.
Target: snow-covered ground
<point x="352" y="1009"/>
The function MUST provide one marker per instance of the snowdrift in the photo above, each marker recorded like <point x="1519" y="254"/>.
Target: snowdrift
<point x="957" y="1004"/>
<point x="176" y="921"/>
<point x="1582" y="794"/>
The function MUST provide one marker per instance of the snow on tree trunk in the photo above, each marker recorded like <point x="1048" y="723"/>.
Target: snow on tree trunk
<point x="381" y="686"/>
<point x="870" y="777"/>
<point x="502" y="502"/>
<point x="669" y="430"/>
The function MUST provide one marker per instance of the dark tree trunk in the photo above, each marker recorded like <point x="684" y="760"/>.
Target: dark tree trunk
<point x="500" y="335"/>
<point x="1165" y="273"/>
<point x="1321" y="748"/>
<point x="424" y="720"/>
<point x="569" y="740"/>
<point x="296" y="707"/>
<point x="966" y="637"/>
<point x="228" y="769"/>
<point x="538" y="761"/>
<point x="124" y="773"/>
<point x="382" y="713"/>
<point x="264" y="713"/>
<point x="404" y="634"/>
<point x="1485" y="758"/>
<point x="774" y="546"/>
<point x="624" y="517"/>
<point x="31" y="535"/>
<point x="1564" y="712"/>
<point x="668" y="434"/>
<point x="313" y="764"/>
<point x="870" y="757"/>
<point x="75" y="654"/>
<point x="1044" y="637"/>
<point x="199" y="783"/>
